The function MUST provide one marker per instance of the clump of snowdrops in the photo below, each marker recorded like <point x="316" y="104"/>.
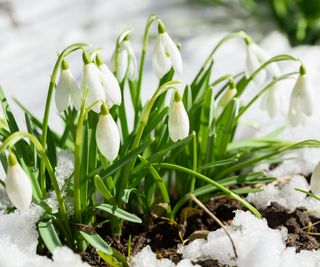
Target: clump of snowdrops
<point x="186" y="146"/>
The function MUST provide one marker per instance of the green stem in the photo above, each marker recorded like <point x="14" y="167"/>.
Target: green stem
<point x="77" y="160"/>
<point x="122" y="113"/>
<point x="150" y="20"/>
<point x="195" y="159"/>
<point x="52" y="85"/>
<point x="212" y="182"/>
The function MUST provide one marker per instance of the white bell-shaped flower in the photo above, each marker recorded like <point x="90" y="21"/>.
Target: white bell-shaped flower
<point x="107" y="134"/>
<point x="315" y="180"/>
<point x="272" y="101"/>
<point x="91" y="80"/>
<point x="165" y="54"/>
<point x="301" y="104"/>
<point x="67" y="90"/>
<point x="178" y="123"/>
<point x="255" y="57"/>
<point x="109" y="82"/>
<point x="127" y="62"/>
<point x="18" y="184"/>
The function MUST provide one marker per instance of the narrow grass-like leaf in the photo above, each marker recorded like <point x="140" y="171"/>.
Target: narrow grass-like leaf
<point x="120" y="213"/>
<point x="101" y="187"/>
<point x="49" y="235"/>
<point x="97" y="242"/>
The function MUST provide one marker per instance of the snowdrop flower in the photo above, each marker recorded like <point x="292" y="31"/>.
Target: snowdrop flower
<point x="127" y="62"/>
<point x="255" y="57"/>
<point x="165" y="54"/>
<point x="301" y="104"/>
<point x="178" y="123"/>
<point x="107" y="134"/>
<point x="18" y="184"/>
<point x="109" y="82"/>
<point x="227" y="96"/>
<point x="91" y="81"/>
<point x="67" y="90"/>
<point x="315" y="180"/>
<point x="272" y="101"/>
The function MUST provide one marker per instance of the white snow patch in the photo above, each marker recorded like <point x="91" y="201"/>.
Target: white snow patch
<point x="257" y="246"/>
<point x="65" y="166"/>
<point x="146" y="258"/>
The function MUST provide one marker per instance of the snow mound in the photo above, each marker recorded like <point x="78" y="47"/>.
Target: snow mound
<point x="146" y="258"/>
<point x="19" y="240"/>
<point x="257" y="246"/>
<point x="286" y="195"/>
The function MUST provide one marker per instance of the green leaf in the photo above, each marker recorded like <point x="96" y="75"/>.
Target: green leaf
<point x="126" y="194"/>
<point x="224" y="127"/>
<point x="120" y="213"/>
<point x="114" y="260"/>
<point x="101" y="187"/>
<point x="122" y="161"/>
<point x="187" y="98"/>
<point x="97" y="242"/>
<point x="49" y="235"/>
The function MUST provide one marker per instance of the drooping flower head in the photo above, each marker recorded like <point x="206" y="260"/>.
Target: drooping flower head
<point x="178" y="123"/>
<point x="301" y="104"/>
<point x="272" y="102"/>
<point x="126" y="63"/>
<point x="91" y="81"/>
<point x="165" y="54"/>
<point x="107" y="134"/>
<point x="109" y="83"/>
<point x="18" y="184"/>
<point x="255" y="57"/>
<point x="67" y="90"/>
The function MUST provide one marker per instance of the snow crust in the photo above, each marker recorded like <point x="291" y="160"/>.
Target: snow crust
<point x="146" y="258"/>
<point x="257" y="246"/>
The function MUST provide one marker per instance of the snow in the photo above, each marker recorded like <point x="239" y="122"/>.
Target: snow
<point x="65" y="166"/>
<point x="146" y="258"/>
<point x="257" y="245"/>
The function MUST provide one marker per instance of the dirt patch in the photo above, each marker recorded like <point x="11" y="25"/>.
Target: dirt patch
<point x="163" y="237"/>
<point x="297" y="222"/>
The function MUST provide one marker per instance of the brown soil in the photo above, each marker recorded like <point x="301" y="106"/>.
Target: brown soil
<point x="163" y="237"/>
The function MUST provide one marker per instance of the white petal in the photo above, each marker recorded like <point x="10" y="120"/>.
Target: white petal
<point x="178" y="123"/>
<point x="315" y="180"/>
<point x="91" y="79"/>
<point x="74" y="91"/>
<point x="108" y="137"/>
<point x="252" y="64"/>
<point x="306" y="94"/>
<point x="295" y="115"/>
<point x="263" y="56"/>
<point x="122" y="64"/>
<point x="132" y="70"/>
<point x="18" y="186"/>
<point x="272" y="101"/>
<point x="161" y="62"/>
<point x="62" y="96"/>
<point x="110" y="85"/>
<point x="174" y="52"/>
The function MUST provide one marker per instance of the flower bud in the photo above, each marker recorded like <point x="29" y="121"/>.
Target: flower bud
<point x="165" y="54"/>
<point x="107" y="134"/>
<point x="109" y="82"/>
<point x="91" y="80"/>
<point x="178" y="123"/>
<point x="301" y="103"/>
<point x="18" y="184"/>
<point x="67" y="90"/>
